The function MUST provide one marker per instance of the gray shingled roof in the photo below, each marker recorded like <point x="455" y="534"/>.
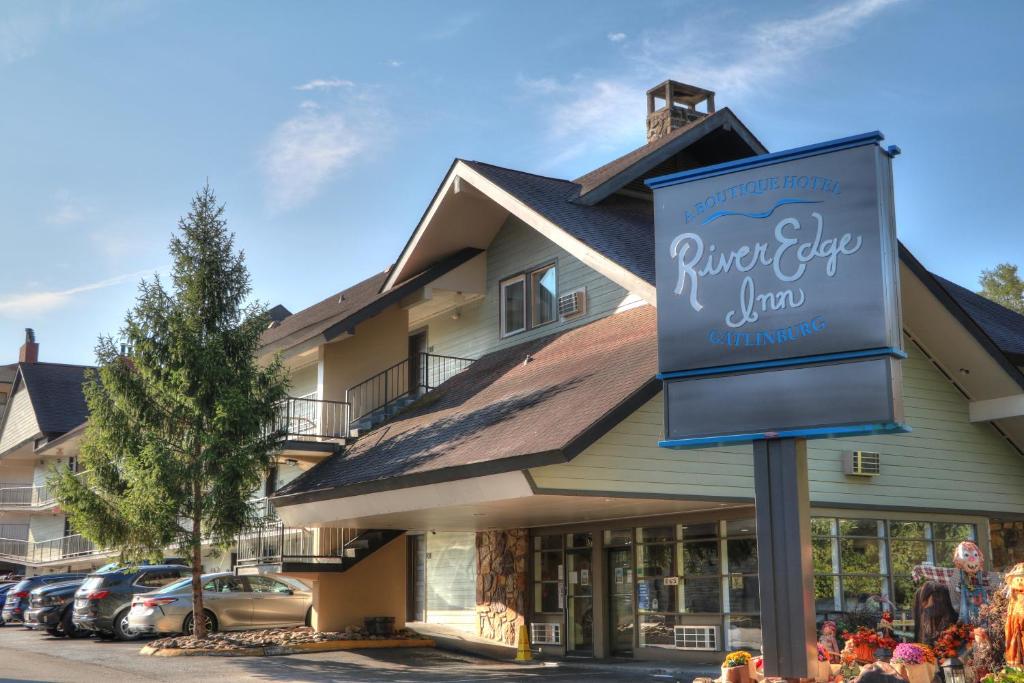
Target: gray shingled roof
<point x="56" y="393"/>
<point x="1005" y="327"/>
<point x="8" y="372"/>
<point x="537" y="402"/>
<point x="621" y="228"/>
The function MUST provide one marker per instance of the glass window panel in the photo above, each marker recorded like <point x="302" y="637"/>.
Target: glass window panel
<point x="584" y="540"/>
<point x="740" y="527"/>
<point x="702" y="595"/>
<point x="743" y="595"/>
<point x="821" y="552"/>
<point x="657" y="533"/>
<point x="858" y="527"/>
<point x="903" y="596"/>
<point x="655" y="561"/>
<point x="513" y="306"/>
<point x="953" y="532"/>
<point x="859" y="555"/>
<point x="547" y="597"/>
<point x="658" y="630"/>
<point x="859" y="590"/>
<point x="618" y="537"/>
<point x="701" y="558"/>
<point x="821" y="526"/>
<point x="544" y="288"/>
<point x="742" y="555"/>
<point x="546" y="566"/>
<point x="905" y="554"/>
<point x="550" y="542"/>
<point x="824" y="594"/>
<point x="692" y="532"/>
<point x="944" y="552"/>
<point x="744" y="633"/>
<point x="580" y="575"/>
<point x="907" y="529"/>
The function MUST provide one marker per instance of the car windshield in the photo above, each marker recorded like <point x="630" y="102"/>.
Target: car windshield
<point x="23" y="585"/>
<point x="97" y="580"/>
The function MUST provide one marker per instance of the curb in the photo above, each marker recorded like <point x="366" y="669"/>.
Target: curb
<point x="295" y="649"/>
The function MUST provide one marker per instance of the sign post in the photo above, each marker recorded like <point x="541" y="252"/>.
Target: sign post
<point x="779" y="321"/>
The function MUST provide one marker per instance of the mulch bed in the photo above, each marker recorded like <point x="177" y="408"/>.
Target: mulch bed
<point x="247" y="640"/>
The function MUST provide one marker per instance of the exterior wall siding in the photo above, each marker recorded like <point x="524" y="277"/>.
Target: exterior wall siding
<point x="516" y="248"/>
<point x="21" y="421"/>
<point x="377" y="344"/>
<point x="945" y="463"/>
<point x="45" y="526"/>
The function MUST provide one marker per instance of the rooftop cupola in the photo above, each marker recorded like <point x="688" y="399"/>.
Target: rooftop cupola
<point x="672" y="105"/>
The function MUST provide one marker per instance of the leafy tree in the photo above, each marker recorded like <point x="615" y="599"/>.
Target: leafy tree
<point x="1003" y="285"/>
<point x="177" y="437"/>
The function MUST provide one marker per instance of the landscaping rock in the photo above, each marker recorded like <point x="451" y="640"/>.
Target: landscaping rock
<point x="270" y="638"/>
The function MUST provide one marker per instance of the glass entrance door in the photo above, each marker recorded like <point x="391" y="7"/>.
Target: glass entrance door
<point x="580" y="603"/>
<point x="620" y="601"/>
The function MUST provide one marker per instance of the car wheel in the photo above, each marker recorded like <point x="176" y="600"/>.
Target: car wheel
<point x="188" y="628"/>
<point x="55" y="632"/>
<point x="121" y="626"/>
<point x="68" y="626"/>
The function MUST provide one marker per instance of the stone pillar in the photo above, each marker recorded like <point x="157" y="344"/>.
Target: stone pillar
<point x="501" y="583"/>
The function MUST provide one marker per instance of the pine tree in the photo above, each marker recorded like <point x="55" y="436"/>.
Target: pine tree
<point x="177" y="438"/>
<point x="1003" y="285"/>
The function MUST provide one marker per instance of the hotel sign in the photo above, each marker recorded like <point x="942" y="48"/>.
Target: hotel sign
<point x="778" y="290"/>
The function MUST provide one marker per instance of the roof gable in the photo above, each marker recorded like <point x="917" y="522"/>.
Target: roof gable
<point x="56" y="393"/>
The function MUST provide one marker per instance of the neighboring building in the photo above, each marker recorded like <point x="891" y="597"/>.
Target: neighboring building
<point x="474" y="438"/>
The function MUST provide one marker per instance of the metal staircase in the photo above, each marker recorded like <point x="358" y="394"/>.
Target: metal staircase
<point x="277" y="549"/>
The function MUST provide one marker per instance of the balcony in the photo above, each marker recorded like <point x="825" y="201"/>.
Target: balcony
<point x="273" y="548"/>
<point x="54" y="550"/>
<point x="14" y="496"/>
<point x="312" y="420"/>
<point x="381" y="397"/>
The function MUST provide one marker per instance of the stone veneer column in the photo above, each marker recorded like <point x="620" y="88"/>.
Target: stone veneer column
<point x="501" y="583"/>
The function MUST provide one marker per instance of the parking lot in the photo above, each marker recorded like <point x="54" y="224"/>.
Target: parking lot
<point x="31" y="656"/>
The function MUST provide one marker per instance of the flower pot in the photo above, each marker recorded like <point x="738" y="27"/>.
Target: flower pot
<point x="736" y="674"/>
<point x="916" y="673"/>
<point x="823" y="673"/>
<point x="865" y="653"/>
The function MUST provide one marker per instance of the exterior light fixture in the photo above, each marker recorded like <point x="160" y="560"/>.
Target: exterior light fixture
<point x="953" y="670"/>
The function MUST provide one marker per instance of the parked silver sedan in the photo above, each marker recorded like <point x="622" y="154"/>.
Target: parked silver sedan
<point x="231" y="603"/>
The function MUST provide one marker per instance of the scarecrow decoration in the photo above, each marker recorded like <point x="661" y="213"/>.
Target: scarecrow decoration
<point x="1015" y="616"/>
<point x="968" y="584"/>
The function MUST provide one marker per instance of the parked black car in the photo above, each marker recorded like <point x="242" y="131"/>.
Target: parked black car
<point x="50" y="608"/>
<point x="4" y="587"/>
<point x="16" y="601"/>
<point x="104" y="598"/>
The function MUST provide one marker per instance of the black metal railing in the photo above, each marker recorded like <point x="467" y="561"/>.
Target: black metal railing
<point x="413" y="376"/>
<point x="309" y="419"/>
<point x="274" y="543"/>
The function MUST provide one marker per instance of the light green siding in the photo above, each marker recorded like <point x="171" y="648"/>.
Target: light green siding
<point x="518" y="247"/>
<point x="946" y="463"/>
<point x="20" y="423"/>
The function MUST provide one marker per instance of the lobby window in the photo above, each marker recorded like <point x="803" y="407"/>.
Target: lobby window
<point x="548" y="574"/>
<point x="698" y="574"/>
<point x="528" y="300"/>
<point x="860" y="561"/>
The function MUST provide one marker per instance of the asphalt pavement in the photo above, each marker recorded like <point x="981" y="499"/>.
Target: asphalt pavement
<point x="31" y="656"/>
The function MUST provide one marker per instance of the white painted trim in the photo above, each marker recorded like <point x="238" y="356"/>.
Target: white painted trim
<point x="599" y="262"/>
<point x="997" y="408"/>
<point x="602" y="264"/>
<point x="474" y="490"/>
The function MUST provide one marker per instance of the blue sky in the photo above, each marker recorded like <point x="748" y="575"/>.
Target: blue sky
<point x="326" y="126"/>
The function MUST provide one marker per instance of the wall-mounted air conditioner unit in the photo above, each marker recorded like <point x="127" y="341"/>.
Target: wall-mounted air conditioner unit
<point x="697" y="637"/>
<point x="572" y="304"/>
<point x="862" y="463"/>
<point x="546" y="634"/>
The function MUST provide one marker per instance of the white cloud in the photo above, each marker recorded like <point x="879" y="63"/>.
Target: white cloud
<point x="308" y="150"/>
<point x="325" y="84"/>
<point x="394" y="63"/>
<point x="617" y="37"/>
<point x="607" y="114"/>
<point x="32" y="303"/>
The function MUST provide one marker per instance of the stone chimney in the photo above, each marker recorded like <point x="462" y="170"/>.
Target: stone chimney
<point x="672" y="105"/>
<point x="29" y="352"/>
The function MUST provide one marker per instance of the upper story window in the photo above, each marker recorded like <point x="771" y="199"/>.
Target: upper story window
<point x="529" y="300"/>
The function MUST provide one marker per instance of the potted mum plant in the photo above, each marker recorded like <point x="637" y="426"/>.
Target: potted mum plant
<point x="824" y="672"/>
<point x="865" y="642"/>
<point x="914" y="662"/>
<point x="736" y="667"/>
